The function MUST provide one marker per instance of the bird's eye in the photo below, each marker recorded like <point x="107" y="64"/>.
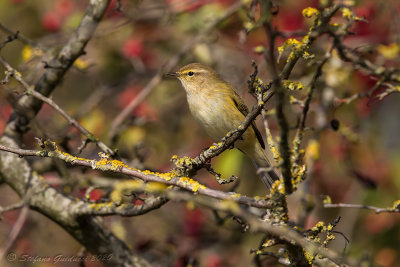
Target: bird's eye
<point x="190" y="73"/>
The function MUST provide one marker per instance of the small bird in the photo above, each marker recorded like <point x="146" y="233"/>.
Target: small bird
<point x="219" y="109"/>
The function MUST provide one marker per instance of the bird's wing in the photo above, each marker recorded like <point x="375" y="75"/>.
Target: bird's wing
<point x="241" y="106"/>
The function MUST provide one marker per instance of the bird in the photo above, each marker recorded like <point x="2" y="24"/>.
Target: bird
<point x="216" y="105"/>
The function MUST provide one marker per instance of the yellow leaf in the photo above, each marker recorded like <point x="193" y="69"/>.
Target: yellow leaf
<point x="312" y="150"/>
<point x="389" y="51"/>
<point x="27" y="53"/>
<point x="327" y="200"/>
<point x="94" y="122"/>
<point x="81" y="64"/>
<point x="118" y="229"/>
<point x="229" y="163"/>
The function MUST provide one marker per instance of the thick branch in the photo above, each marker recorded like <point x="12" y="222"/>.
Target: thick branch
<point x="17" y="173"/>
<point x="107" y="209"/>
<point x="115" y="166"/>
<point x="89" y="231"/>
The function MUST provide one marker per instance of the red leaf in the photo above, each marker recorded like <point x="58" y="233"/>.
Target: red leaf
<point x="51" y="21"/>
<point x="132" y="48"/>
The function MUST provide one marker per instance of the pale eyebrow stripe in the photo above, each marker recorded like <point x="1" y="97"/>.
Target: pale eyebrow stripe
<point x="194" y="70"/>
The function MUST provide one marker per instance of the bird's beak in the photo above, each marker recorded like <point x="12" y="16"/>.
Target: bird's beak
<point x="171" y="74"/>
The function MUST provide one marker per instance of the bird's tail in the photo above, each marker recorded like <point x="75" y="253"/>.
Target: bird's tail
<point x="267" y="173"/>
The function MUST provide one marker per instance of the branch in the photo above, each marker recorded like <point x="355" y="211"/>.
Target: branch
<point x="11" y="72"/>
<point x="369" y="93"/>
<point x="105" y="164"/>
<point x="17" y="173"/>
<point x="89" y="231"/>
<point x="300" y="130"/>
<point x="284" y="149"/>
<point x="20" y="37"/>
<point x="111" y="208"/>
<point x="12" y="207"/>
<point x="15" y="231"/>
<point x="68" y="210"/>
<point x="348" y="54"/>
<point x="394" y="209"/>
<point x="282" y="232"/>
<point x="319" y="27"/>
<point x="227" y="141"/>
<point x="28" y="106"/>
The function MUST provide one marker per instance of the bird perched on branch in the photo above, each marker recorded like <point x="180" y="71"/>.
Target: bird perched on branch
<point x="219" y="109"/>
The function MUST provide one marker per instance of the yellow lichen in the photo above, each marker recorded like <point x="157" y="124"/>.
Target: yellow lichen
<point x="190" y="184"/>
<point x="291" y="42"/>
<point x="310" y="12"/>
<point x="310" y="258"/>
<point x="268" y="243"/>
<point x="307" y="55"/>
<point x="166" y="176"/>
<point x="327" y="200"/>
<point x="277" y="187"/>
<point x="298" y="48"/>
<point x="235" y="195"/>
<point x="396" y="205"/>
<point x="348" y="14"/>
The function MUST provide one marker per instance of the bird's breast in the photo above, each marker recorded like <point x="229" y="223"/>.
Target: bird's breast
<point x="215" y="113"/>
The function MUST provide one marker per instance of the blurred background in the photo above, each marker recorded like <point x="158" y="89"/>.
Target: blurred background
<point x="357" y="162"/>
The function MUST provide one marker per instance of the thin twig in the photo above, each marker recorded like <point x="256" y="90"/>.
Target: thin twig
<point x="284" y="149"/>
<point x="15" y="231"/>
<point x="348" y="54"/>
<point x="29" y="90"/>
<point x="361" y="206"/>
<point x="57" y="67"/>
<point x="12" y="207"/>
<point x="300" y="130"/>
<point x="20" y="37"/>
<point x="341" y="101"/>
<point x="227" y="141"/>
<point x="9" y="39"/>
<point x="282" y="232"/>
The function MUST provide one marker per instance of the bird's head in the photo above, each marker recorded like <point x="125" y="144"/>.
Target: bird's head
<point x="196" y="77"/>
